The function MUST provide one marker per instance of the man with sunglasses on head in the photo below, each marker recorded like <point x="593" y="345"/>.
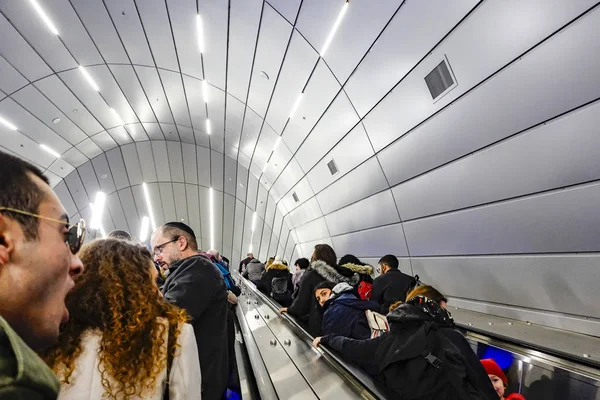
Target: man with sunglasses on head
<point x="37" y="268"/>
<point x="195" y="284"/>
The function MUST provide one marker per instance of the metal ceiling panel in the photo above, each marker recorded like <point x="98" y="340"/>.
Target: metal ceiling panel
<point x="242" y="181"/>
<point x="187" y="135"/>
<point x="74" y="157"/>
<point x="216" y="113"/>
<point x="238" y="225"/>
<point x="289" y="177"/>
<point x="321" y="90"/>
<point x="129" y="84"/>
<point x="203" y="162"/>
<point x="182" y="14"/>
<point x="21" y="14"/>
<point x="155" y="22"/>
<point x="156" y="201"/>
<point x="316" y="20"/>
<point x="88" y="97"/>
<point x="63" y="194"/>
<point x="412" y="33"/>
<point x="132" y="163"/>
<point x="214" y="21"/>
<point x="273" y="245"/>
<point x="161" y="160"/>
<point x="287" y="8"/>
<point x="146" y="160"/>
<point x="195" y="99"/>
<point x="170" y="132"/>
<point x="120" y="135"/>
<point x="190" y="169"/>
<point x="338" y="120"/>
<point x="304" y="213"/>
<point x="230" y="176"/>
<point x="244" y="18"/>
<point x="371" y="212"/>
<point x="175" y="94"/>
<point x="345" y="191"/>
<point x="373" y="243"/>
<point x="21" y="145"/>
<point x="136" y="132"/>
<point x="228" y="210"/>
<point x="347" y="155"/>
<point x="302" y="190"/>
<point x="103" y="173"/>
<point x="252" y="125"/>
<point x="61" y="168"/>
<point x="252" y="192"/>
<point x="77" y="191"/>
<point x="557" y="222"/>
<point x="218" y="228"/>
<point x="113" y="94"/>
<point x="154" y="131"/>
<point x="264" y="243"/>
<point x="193" y="208"/>
<point x="264" y="146"/>
<point x="104" y="141"/>
<point x="314" y="230"/>
<point x="270" y="213"/>
<point x="10" y="79"/>
<point x="216" y="170"/>
<point x="181" y="211"/>
<point x="235" y="117"/>
<point x="130" y="210"/>
<point x="155" y="93"/>
<point x="175" y="161"/>
<point x="114" y="207"/>
<point x="60" y="95"/>
<point x="99" y="25"/>
<point x="89" y="179"/>
<point x="117" y="167"/>
<point x="19" y="54"/>
<point x="261" y="202"/>
<point x="89" y="148"/>
<point x="350" y="44"/>
<point x="272" y="43"/>
<point x="168" y="201"/>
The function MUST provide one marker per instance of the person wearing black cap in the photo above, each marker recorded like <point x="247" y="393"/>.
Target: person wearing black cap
<point x="196" y="285"/>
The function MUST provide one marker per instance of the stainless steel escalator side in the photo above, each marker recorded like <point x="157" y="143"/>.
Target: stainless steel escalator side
<point x="327" y="375"/>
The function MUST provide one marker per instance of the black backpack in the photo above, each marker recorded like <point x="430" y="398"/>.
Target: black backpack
<point x="423" y="364"/>
<point x="279" y="290"/>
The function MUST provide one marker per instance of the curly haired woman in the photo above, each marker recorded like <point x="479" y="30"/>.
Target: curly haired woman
<point x="121" y="335"/>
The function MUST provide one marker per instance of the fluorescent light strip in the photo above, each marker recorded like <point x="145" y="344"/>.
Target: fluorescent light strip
<point x="7" y="124"/>
<point x="250" y="248"/>
<point x="199" y="31"/>
<point x="97" y="210"/>
<point x="296" y="104"/>
<point x="277" y="142"/>
<point x="44" y="16"/>
<point x="102" y="232"/>
<point x="49" y="150"/>
<point x="208" y="126"/>
<point x="205" y="91"/>
<point x="117" y="116"/>
<point x="212" y="220"/>
<point x="253" y="221"/>
<point x="336" y="25"/>
<point x="149" y="205"/>
<point x="88" y="78"/>
<point x="144" y="228"/>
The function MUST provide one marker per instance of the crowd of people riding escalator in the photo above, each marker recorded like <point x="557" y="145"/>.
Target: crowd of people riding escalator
<point x="118" y="319"/>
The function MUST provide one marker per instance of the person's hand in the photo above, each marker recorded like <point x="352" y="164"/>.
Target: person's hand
<point x="231" y="298"/>
<point x="283" y="310"/>
<point x="317" y="342"/>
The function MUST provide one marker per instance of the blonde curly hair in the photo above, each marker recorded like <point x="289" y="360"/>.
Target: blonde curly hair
<point x="117" y="296"/>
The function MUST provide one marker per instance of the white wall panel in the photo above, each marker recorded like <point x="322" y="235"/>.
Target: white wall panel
<point x="304" y="192"/>
<point x="216" y="170"/>
<point x="115" y="208"/>
<point x="65" y="198"/>
<point x="175" y="161"/>
<point x="161" y="160"/>
<point x="214" y="19"/>
<point x="238" y="225"/>
<point x="230" y="176"/>
<point x="270" y="212"/>
<point x="130" y="210"/>
<point x="204" y="200"/>
<point x="193" y="208"/>
<point x="307" y="249"/>
<point x="203" y="161"/>
<point x="308" y="211"/>
<point x="156" y="202"/>
<point x="313" y="230"/>
<point x="130" y="156"/>
<point x="242" y="181"/>
<point x="372" y="242"/>
<point x="168" y="201"/>
<point x="252" y="192"/>
<point x="89" y="179"/>
<point x="228" y="217"/>
<point x="180" y="202"/>
<point x="562" y="221"/>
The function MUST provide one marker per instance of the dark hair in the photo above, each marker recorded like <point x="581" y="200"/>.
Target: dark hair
<point x="225" y="259"/>
<point x="325" y="285"/>
<point x="176" y="229"/>
<point x="389" y="260"/>
<point x="303" y="263"/>
<point x="324" y="252"/>
<point x="119" y="234"/>
<point x="350" y="259"/>
<point x="19" y="191"/>
<point x="427" y="291"/>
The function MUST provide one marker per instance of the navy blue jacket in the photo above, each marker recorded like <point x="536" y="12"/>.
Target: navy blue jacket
<point x="345" y="316"/>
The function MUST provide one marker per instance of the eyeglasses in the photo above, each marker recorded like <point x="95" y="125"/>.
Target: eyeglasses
<point x="75" y="235"/>
<point x="159" y="249"/>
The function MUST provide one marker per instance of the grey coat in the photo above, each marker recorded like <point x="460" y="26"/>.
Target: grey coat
<point x="254" y="270"/>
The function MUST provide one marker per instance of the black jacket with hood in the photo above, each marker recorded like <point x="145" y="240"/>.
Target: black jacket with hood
<point x="275" y="270"/>
<point x="376" y="355"/>
<point x="196" y="285"/>
<point x="391" y="287"/>
<point x="305" y="305"/>
<point x="365" y="271"/>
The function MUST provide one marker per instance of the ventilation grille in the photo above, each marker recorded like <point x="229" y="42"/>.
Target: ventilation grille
<point x="295" y="197"/>
<point x="439" y="80"/>
<point x="332" y="167"/>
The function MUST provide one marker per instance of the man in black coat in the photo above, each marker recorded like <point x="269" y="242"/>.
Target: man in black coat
<point x="245" y="262"/>
<point x="392" y="285"/>
<point x="196" y="285"/>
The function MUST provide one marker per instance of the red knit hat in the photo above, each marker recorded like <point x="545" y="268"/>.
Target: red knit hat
<point x="494" y="369"/>
<point x="515" y="396"/>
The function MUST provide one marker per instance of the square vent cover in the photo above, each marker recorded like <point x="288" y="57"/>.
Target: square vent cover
<point x="332" y="167"/>
<point x="440" y="80"/>
<point x="295" y="197"/>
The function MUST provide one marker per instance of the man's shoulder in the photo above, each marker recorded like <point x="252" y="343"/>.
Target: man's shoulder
<point x="199" y="266"/>
<point x="22" y="372"/>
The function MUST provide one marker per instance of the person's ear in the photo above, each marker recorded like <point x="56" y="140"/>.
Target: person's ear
<point x="7" y="240"/>
<point x="182" y="242"/>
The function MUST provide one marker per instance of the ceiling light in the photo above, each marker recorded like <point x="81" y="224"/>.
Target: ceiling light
<point x="250" y="248"/>
<point x="144" y="228"/>
<point x="334" y="29"/>
<point x="49" y="150"/>
<point x="296" y="104"/>
<point x="212" y="219"/>
<point x="205" y="91"/>
<point x="97" y="210"/>
<point x="44" y="16"/>
<point x="117" y="116"/>
<point x="277" y="142"/>
<point x="149" y="205"/>
<point x="208" y="126"/>
<point x="88" y="78"/>
<point x="7" y="124"/>
<point x="199" y="32"/>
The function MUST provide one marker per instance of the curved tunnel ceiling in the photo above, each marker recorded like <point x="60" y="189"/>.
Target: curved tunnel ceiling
<point x="492" y="180"/>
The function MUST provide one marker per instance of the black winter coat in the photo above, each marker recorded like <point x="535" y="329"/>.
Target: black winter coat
<point x="275" y="270"/>
<point x="305" y="305"/>
<point x="243" y="264"/>
<point x="374" y="355"/>
<point x="390" y="288"/>
<point x="345" y="316"/>
<point x="196" y="285"/>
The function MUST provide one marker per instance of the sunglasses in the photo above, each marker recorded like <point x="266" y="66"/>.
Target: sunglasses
<point x="75" y="235"/>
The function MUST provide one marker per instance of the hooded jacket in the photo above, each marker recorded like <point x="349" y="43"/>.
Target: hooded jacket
<point x="305" y="305"/>
<point x="364" y="271"/>
<point x="345" y="314"/>
<point x="391" y="287"/>
<point x="374" y="355"/>
<point x="275" y="270"/>
<point x="254" y="270"/>
<point x="196" y="285"/>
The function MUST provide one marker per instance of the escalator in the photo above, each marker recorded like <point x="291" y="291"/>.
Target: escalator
<point x="280" y="362"/>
